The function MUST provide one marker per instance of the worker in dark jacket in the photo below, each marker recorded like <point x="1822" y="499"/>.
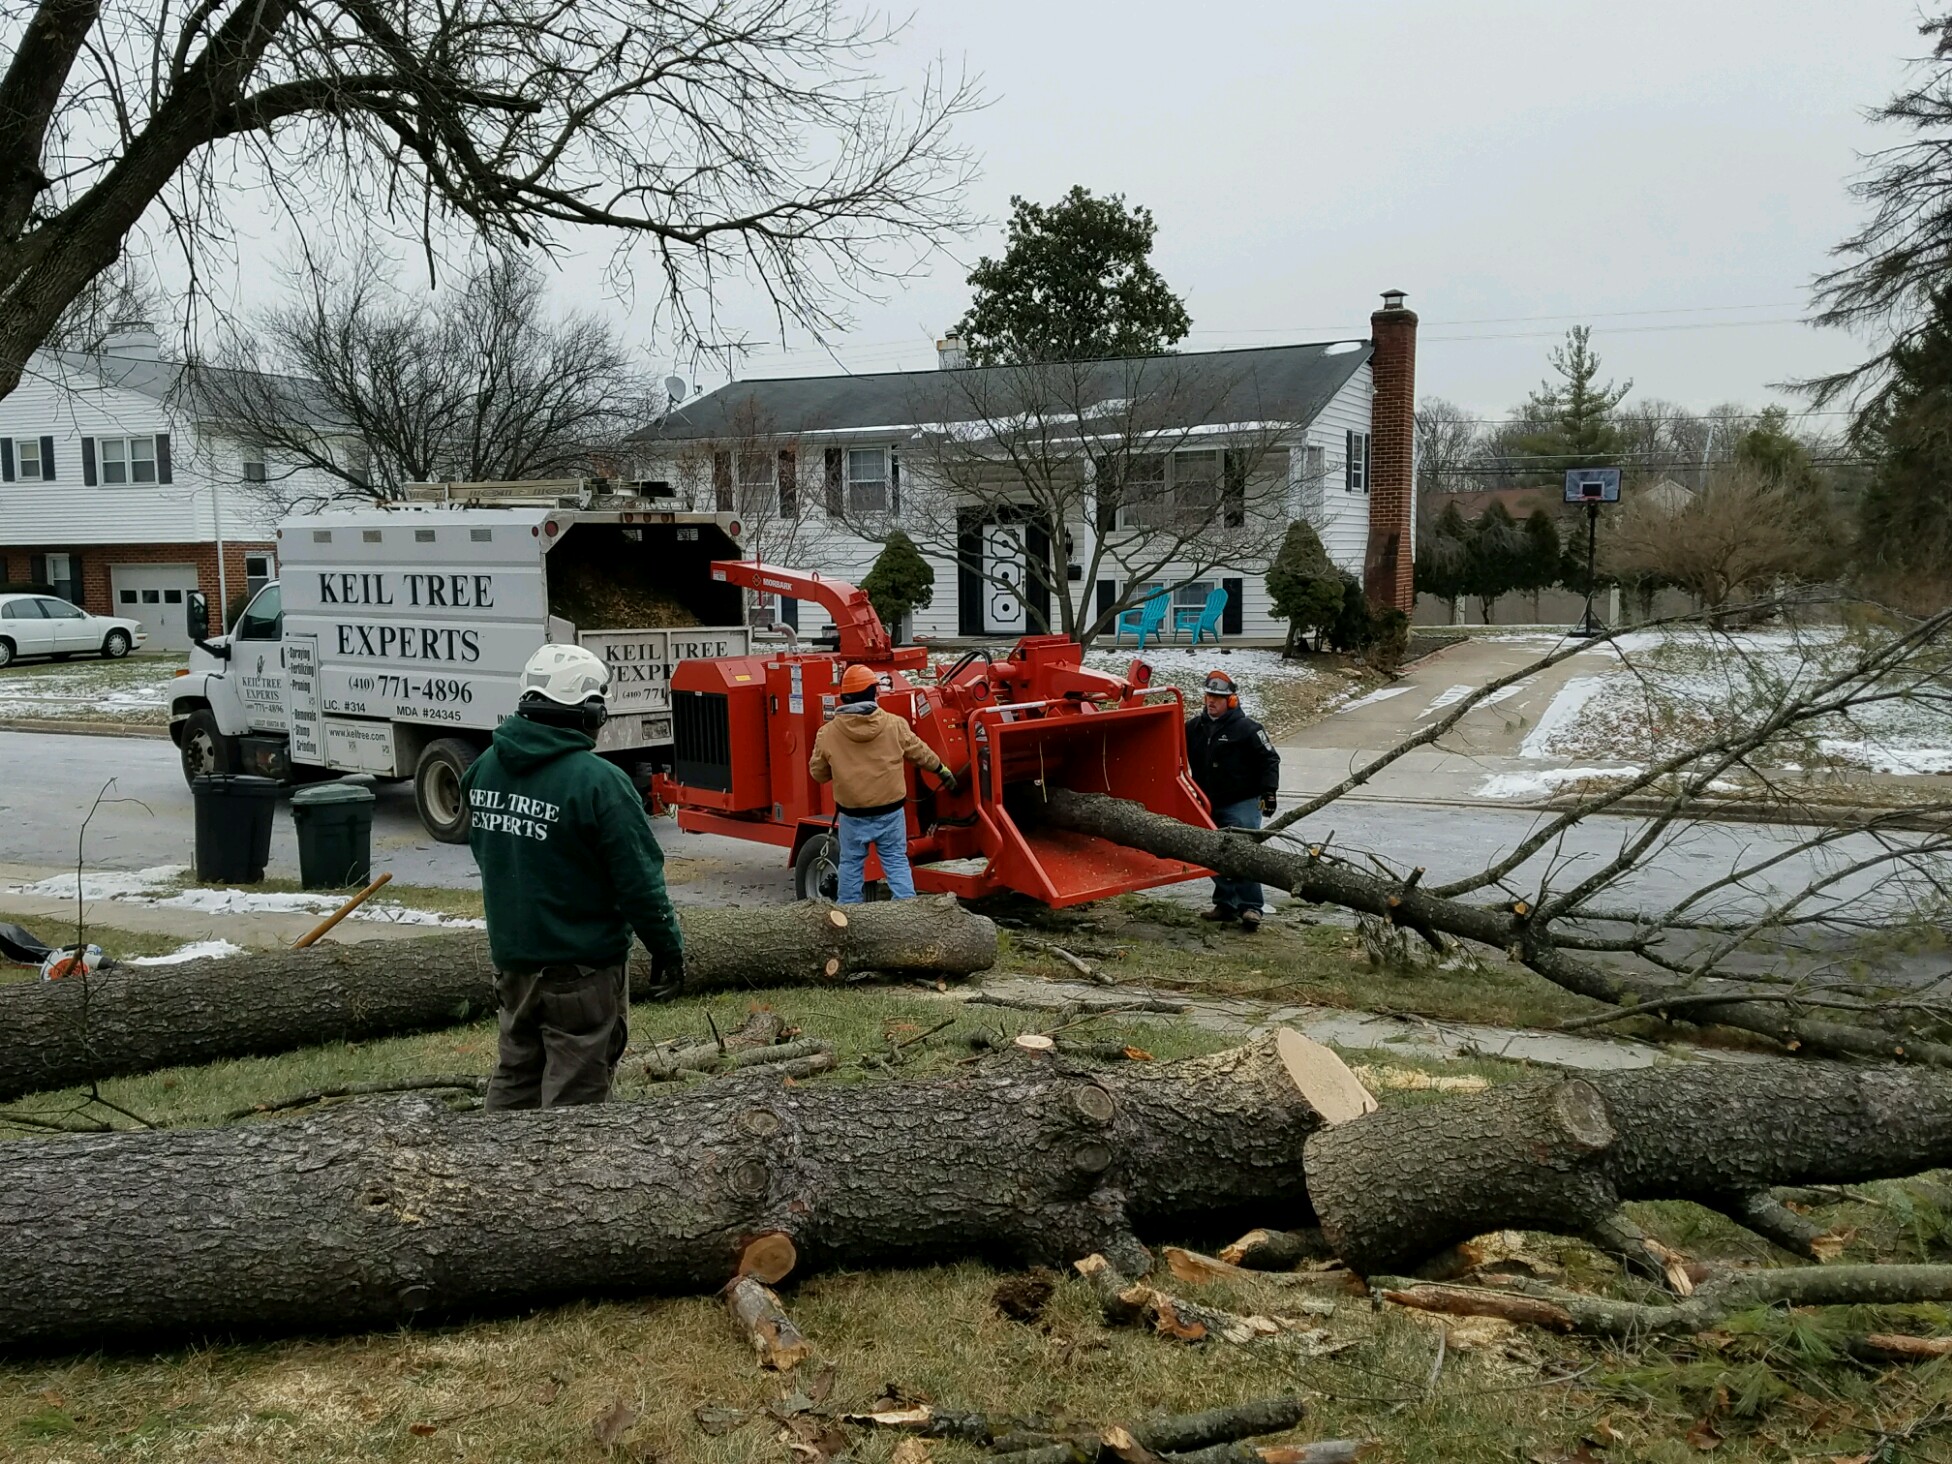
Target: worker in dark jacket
<point x="569" y="867"/>
<point x="1240" y="772"/>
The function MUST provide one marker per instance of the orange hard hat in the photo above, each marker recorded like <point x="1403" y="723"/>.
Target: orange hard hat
<point x="857" y="678"/>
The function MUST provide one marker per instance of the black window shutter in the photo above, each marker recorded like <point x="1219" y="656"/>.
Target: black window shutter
<point x="1367" y="438"/>
<point x="1233" y="490"/>
<point x="88" y="461"/>
<point x="6" y="460"/>
<point x="1107" y="593"/>
<point x="789" y="484"/>
<point x="836" y="498"/>
<point x="894" y="481"/>
<point x="722" y="481"/>
<point x="47" y="459"/>
<point x="789" y="612"/>
<point x="1107" y="506"/>
<point x="1230" y="618"/>
<point x="1349" y="450"/>
<point x="162" y="458"/>
<point x="969" y="571"/>
<point x="37" y="570"/>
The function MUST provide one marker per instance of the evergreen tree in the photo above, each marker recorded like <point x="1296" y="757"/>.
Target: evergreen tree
<point x="901" y="581"/>
<point x="1302" y="584"/>
<point x="1772" y="450"/>
<point x="1495" y="564"/>
<point x="1904" y="522"/>
<point x="1443" y="547"/>
<point x="1541" y="557"/>
<point x="1577" y="428"/>
<point x="1075" y="283"/>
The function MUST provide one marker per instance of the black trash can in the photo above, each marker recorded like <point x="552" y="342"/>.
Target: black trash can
<point x="335" y="835"/>
<point x="234" y="815"/>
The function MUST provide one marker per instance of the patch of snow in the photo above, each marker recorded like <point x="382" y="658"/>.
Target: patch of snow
<point x="1381" y="695"/>
<point x="1565" y="707"/>
<point x="201" y="950"/>
<point x="1545" y="781"/>
<point x="246" y="902"/>
<point x="1449" y="696"/>
<point x="1884" y="757"/>
<point x="1505" y="693"/>
<point x="1342" y="348"/>
<point x="105" y="884"/>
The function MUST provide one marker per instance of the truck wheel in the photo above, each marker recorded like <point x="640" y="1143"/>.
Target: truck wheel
<point x="816" y="872"/>
<point x="437" y="788"/>
<point x="205" y="748"/>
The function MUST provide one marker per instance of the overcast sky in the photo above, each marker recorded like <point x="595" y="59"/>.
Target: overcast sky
<point x="1672" y="172"/>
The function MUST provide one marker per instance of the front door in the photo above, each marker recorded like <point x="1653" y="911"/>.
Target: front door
<point x="257" y="658"/>
<point x="72" y="629"/>
<point x="1003" y="607"/>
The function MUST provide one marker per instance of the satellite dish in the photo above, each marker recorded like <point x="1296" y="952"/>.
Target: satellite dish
<point x="675" y="388"/>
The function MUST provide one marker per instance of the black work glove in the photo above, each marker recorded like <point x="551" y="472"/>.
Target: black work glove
<point x="947" y="778"/>
<point x="667" y="973"/>
<point x="1267" y="805"/>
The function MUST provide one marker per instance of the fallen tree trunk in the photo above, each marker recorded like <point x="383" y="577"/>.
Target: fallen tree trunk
<point x="1394" y="1187"/>
<point x="381" y="1215"/>
<point x="135" y="1019"/>
<point x="1319" y="878"/>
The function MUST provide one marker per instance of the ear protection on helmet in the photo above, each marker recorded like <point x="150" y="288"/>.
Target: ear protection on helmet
<point x="584" y="716"/>
<point x="1219" y="683"/>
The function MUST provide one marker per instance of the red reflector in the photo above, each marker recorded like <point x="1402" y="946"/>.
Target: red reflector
<point x="737" y="528"/>
<point x="550" y="528"/>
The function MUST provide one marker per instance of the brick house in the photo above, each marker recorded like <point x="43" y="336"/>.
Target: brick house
<point x="1342" y="457"/>
<point x="114" y="495"/>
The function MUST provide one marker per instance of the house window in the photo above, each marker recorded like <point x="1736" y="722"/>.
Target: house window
<point x="253" y="464"/>
<point x="128" y="459"/>
<point x="1163" y="489"/>
<point x="28" y="450"/>
<point x="1355" y="473"/>
<point x="257" y="572"/>
<point x="758" y="483"/>
<point x="867" y="480"/>
<point x="1192" y="596"/>
<point x="1314" y="464"/>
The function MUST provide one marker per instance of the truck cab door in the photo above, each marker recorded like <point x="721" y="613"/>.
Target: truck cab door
<point x="257" y="662"/>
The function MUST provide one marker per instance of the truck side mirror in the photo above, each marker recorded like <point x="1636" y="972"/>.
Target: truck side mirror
<point x="196" y="614"/>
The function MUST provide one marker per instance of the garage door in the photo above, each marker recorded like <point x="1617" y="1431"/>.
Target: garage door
<point x="155" y="595"/>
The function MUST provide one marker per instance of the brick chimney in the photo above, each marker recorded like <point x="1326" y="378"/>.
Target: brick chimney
<point x="1387" y="572"/>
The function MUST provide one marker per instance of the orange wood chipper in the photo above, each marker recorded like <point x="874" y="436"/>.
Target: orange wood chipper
<point x="743" y="728"/>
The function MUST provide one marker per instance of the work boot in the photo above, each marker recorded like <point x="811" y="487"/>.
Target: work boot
<point x="1219" y="915"/>
<point x="1250" y="920"/>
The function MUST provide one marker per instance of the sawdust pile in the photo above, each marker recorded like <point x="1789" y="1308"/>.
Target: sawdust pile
<point x="613" y="597"/>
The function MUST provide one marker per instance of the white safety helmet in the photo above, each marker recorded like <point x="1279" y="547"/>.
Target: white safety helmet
<point x="566" y="675"/>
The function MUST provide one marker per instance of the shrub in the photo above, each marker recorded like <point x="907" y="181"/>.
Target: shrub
<point x="901" y="581"/>
<point x="1305" y="588"/>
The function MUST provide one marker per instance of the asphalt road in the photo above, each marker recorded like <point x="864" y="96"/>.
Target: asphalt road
<point x="49" y="781"/>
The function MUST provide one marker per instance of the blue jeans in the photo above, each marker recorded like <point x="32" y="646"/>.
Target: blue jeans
<point x="888" y="833"/>
<point x="1237" y="894"/>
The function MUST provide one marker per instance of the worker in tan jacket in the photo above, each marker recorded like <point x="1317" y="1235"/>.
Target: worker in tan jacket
<point x="862" y="752"/>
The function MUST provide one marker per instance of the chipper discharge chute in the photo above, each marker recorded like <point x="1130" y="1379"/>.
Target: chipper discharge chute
<point x="1011" y="728"/>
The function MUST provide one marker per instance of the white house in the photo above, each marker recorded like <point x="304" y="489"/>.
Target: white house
<point x="827" y="460"/>
<point x="114" y="495"/>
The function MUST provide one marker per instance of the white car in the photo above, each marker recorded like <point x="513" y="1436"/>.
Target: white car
<point x="40" y="625"/>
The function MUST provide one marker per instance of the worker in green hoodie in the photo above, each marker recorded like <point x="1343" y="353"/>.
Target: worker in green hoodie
<point x="569" y="867"/>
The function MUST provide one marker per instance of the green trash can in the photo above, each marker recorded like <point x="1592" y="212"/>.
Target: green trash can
<point x="335" y="835"/>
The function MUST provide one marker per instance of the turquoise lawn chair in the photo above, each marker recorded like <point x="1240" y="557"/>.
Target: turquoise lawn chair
<point x="1148" y="618"/>
<point x="1205" y="620"/>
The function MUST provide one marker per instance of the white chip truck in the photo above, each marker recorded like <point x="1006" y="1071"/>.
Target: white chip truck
<point x="393" y="639"/>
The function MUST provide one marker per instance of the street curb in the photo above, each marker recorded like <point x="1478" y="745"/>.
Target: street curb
<point x="82" y="729"/>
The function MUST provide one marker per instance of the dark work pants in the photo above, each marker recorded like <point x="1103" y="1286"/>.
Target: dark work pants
<point x="563" y="1029"/>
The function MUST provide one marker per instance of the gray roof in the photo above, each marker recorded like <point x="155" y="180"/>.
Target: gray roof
<point x="1287" y="384"/>
<point x="175" y="382"/>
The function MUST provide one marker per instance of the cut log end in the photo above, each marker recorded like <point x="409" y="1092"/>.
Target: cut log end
<point x="1582" y="1114"/>
<point x="1036" y="1043"/>
<point x="837" y="919"/>
<point x="769" y="1259"/>
<point x="1327" y="1082"/>
<point x="832" y="968"/>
